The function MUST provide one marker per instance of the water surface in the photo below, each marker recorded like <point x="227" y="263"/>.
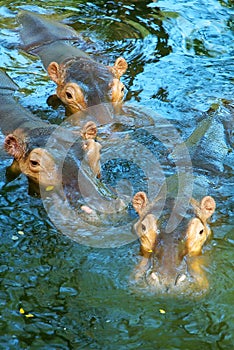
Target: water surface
<point x="180" y="56"/>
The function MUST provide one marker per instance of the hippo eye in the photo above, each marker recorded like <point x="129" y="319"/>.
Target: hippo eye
<point x="143" y="227"/>
<point x="69" y="95"/>
<point x="122" y="90"/>
<point x="34" y="163"/>
<point x="201" y="232"/>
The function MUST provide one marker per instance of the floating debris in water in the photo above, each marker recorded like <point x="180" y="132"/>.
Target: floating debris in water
<point x="14" y="238"/>
<point x="162" y="311"/>
<point x="22" y="312"/>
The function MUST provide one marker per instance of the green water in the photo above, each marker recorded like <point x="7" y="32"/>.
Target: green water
<point x="180" y="56"/>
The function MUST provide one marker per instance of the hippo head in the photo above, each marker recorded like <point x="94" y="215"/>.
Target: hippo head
<point x="82" y="82"/>
<point x="37" y="163"/>
<point x="42" y="165"/>
<point x="168" y="250"/>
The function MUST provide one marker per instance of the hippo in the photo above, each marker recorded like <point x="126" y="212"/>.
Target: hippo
<point x="26" y="139"/>
<point x="81" y="81"/>
<point x="172" y="261"/>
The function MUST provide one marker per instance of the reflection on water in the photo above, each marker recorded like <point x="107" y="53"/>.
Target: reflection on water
<point x="180" y="65"/>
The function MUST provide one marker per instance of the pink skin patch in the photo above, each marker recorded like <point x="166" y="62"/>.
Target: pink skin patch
<point x="86" y="209"/>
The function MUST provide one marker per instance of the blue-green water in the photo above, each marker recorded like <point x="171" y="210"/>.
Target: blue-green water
<point x="180" y="56"/>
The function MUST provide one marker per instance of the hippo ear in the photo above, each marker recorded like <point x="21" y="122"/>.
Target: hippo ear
<point x="92" y="156"/>
<point x="139" y="202"/>
<point x="89" y="131"/>
<point x="15" y="146"/>
<point x="207" y="207"/>
<point x="54" y="72"/>
<point x="120" y="67"/>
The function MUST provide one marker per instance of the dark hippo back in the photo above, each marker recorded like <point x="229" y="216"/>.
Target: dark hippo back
<point x="39" y="31"/>
<point x="46" y="39"/>
<point x="12" y="114"/>
<point x="7" y="86"/>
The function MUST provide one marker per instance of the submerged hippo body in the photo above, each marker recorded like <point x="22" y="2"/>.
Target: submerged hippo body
<point x="173" y="262"/>
<point x="81" y="81"/>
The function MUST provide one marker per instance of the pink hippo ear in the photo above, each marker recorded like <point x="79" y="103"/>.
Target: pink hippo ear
<point x="119" y="67"/>
<point x="92" y="156"/>
<point x="15" y="146"/>
<point x="207" y="207"/>
<point x="54" y="72"/>
<point x="140" y="202"/>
